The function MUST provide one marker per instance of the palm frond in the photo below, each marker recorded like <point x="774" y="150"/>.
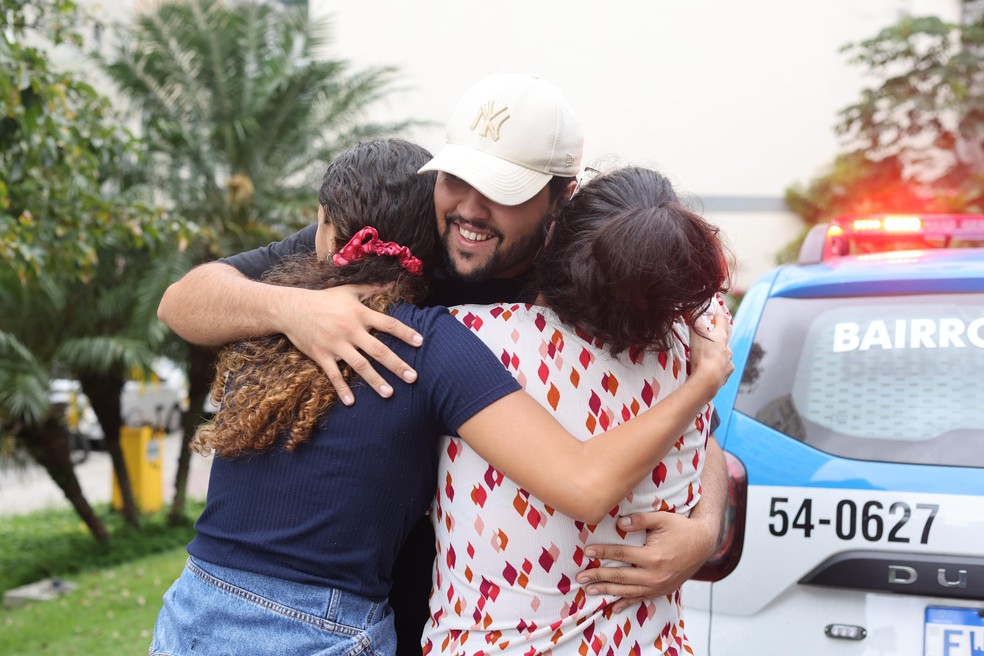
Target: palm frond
<point x="14" y="355"/>
<point x="23" y="384"/>
<point x="101" y="354"/>
<point x="23" y="398"/>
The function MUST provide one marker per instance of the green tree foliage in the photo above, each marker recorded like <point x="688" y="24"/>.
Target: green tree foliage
<point x="59" y="144"/>
<point x="241" y="112"/>
<point x="915" y="138"/>
<point x="929" y="109"/>
<point x="69" y="235"/>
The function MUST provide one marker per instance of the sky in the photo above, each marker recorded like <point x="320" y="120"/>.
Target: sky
<point x="726" y="98"/>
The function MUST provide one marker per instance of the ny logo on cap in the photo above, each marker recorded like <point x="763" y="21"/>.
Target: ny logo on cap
<point x="489" y="120"/>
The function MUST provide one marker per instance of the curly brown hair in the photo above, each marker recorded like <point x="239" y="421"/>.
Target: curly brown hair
<point x="266" y="389"/>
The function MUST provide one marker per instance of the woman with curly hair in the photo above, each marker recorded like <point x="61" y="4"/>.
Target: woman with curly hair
<point x="309" y="500"/>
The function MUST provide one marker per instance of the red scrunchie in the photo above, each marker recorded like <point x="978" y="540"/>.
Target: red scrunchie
<point x="367" y="242"/>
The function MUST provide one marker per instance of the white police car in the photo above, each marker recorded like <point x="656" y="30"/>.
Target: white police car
<point x="854" y="428"/>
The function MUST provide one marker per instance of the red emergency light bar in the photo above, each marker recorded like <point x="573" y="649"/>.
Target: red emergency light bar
<point x="879" y="233"/>
<point x="881" y="224"/>
<point x="929" y="225"/>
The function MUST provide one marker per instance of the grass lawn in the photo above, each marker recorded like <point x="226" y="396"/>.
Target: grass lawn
<point x="120" y="584"/>
<point x="111" y="613"/>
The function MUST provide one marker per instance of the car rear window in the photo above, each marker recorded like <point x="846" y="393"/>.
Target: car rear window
<point x="895" y="379"/>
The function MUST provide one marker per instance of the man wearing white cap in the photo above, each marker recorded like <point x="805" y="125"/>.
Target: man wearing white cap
<point x="509" y="136"/>
<point x="513" y="150"/>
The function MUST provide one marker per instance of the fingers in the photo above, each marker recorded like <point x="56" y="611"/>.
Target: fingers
<point x="646" y="578"/>
<point x="368" y="349"/>
<point x="379" y="352"/>
<point x="362" y="367"/>
<point x="710" y="352"/>
<point x="628" y="582"/>
<point x="639" y="580"/>
<point x="619" y="552"/>
<point x="387" y="324"/>
<point x="642" y="521"/>
<point x="657" y="568"/>
<point x="721" y="324"/>
<point x="344" y="392"/>
<point x="722" y="309"/>
<point x="361" y="356"/>
<point x="338" y="330"/>
<point x="716" y="325"/>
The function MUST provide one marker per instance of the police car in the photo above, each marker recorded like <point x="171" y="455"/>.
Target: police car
<point x="854" y="432"/>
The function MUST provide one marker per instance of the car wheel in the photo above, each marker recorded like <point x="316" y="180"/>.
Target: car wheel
<point x="79" y="447"/>
<point x="172" y="422"/>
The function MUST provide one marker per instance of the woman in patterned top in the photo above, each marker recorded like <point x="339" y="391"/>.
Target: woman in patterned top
<point x="310" y="500"/>
<point x="607" y="339"/>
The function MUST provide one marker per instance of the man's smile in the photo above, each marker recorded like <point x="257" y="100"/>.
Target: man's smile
<point x="473" y="236"/>
<point x="471" y="233"/>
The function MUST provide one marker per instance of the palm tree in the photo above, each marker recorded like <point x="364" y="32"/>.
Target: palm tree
<point x="93" y="329"/>
<point x="27" y="415"/>
<point x="241" y="113"/>
<point x="43" y="336"/>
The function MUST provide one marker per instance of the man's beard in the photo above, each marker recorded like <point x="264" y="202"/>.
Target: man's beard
<point x="503" y="259"/>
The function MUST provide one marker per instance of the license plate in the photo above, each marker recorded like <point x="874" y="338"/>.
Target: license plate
<point x="954" y="632"/>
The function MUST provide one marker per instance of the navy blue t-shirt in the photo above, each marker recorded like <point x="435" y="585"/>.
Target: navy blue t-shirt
<point x="337" y="509"/>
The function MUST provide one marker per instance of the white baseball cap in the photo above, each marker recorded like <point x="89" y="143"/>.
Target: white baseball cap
<point x="510" y="134"/>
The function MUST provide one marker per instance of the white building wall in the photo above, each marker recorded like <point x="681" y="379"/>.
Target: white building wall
<point x="754" y="239"/>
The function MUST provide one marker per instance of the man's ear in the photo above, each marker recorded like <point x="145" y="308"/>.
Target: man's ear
<point x="569" y="191"/>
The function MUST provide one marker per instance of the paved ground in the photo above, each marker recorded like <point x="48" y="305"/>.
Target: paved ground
<point x="26" y="490"/>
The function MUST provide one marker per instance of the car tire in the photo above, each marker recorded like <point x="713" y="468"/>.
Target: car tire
<point x="79" y="447"/>
<point x="172" y="422"/>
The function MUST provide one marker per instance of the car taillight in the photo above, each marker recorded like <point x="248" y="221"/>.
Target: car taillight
<point x="726" y="558"/>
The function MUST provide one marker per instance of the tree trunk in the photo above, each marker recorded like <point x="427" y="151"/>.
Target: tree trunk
<point x="104" y="392"/>
<point x="49" y="446"/>
<point x="201" y="371"/>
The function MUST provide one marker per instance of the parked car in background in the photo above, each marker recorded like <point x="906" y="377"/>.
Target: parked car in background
<point x="84" y="431"/>
<point x="854" y="431"/>
<point x="158" y="399"/>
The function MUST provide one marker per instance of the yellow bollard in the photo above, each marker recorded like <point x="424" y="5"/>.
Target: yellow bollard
<point x="143" y="453"/>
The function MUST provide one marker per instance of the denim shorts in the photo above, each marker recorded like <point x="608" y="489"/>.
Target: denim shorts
<point x="213" y="610"/>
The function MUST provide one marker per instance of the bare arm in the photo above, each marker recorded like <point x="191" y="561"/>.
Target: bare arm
<point x="215" y="304"/>
<point x="709" y="511"/>
<point x="540" y="455"/>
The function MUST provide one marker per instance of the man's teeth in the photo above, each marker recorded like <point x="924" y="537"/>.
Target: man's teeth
<point x="473" y="236"/>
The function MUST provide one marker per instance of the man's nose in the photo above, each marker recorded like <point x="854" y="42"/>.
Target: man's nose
<point x="473" y="205"/>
